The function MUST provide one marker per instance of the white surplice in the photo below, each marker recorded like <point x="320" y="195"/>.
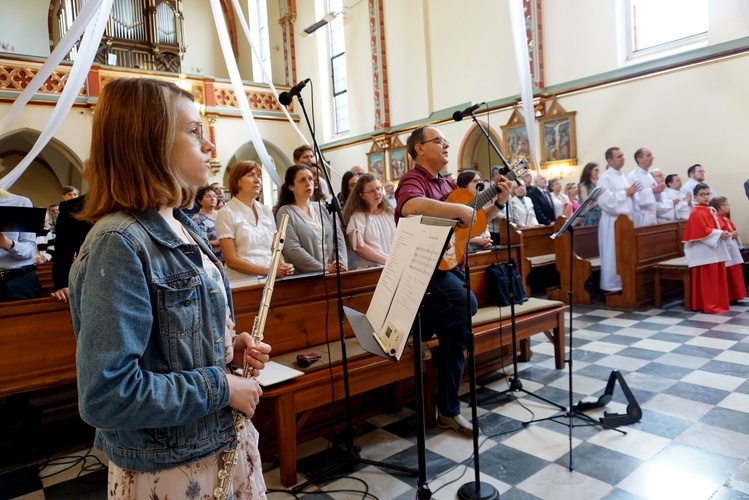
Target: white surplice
<point x="668" y="211"/>
<point x="645" y="200"/>
<point x="613" y="202"/>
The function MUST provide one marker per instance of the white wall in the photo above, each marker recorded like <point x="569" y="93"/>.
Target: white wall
<point x="24" y="26"/>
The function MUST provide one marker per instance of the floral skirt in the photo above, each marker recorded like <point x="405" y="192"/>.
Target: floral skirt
<point x="195" y="480"/>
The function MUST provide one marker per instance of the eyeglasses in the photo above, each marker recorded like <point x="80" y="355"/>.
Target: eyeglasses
<point x="440" y="140"/>
<point x="198" y="131"/>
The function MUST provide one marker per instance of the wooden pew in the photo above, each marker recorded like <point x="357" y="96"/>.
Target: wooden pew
<point x="537" y="248"/>
<point x="44" y="273"/>
<point x="38" y="348"/>
<point x="585" y="260"/>
<point x="638" y="251"/>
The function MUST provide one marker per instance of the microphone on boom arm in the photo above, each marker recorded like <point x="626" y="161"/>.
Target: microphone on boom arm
<point x="459" y="115"/>
<point x="285" y="98"/>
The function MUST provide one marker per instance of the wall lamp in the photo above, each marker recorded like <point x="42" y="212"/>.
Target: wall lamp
<point x="310" y="30"/>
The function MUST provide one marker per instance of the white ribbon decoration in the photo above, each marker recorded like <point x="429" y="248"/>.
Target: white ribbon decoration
<point x="78" y="73"/>
<point x="522" y="63"/>
<point x="238" y="86"/>
<point x="246" y="29"/>
<point x="63" y="47"/>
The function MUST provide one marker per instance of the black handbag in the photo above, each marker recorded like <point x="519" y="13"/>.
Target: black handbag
<point x="500" y="281"/>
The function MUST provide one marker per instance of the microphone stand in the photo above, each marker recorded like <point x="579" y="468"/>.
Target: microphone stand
<point x="515" y="384"/>
<point x="475" y="490"/>
<point x="352" y="452"/>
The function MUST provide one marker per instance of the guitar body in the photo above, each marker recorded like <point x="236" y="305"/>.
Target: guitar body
<point x="459" y="240"/>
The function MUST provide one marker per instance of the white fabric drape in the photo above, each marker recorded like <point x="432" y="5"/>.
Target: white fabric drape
<point x="96" y="11"/>
<point x="238" y="86"/>
<point x="520" y="43"/>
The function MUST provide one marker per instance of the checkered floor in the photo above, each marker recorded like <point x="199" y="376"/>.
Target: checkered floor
<point x="688" y="372"/>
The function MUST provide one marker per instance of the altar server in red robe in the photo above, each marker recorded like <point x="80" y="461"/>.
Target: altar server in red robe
<point x="707" y="253"/>
<point x="734" y="267"/>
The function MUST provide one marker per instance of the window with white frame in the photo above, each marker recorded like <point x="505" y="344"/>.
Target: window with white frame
<point x="655" y="25"/>
<point x="261" y="41"/>
<point x="338" y="67"/>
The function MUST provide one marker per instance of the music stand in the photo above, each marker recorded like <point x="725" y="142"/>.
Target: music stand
<point x="395" y="309"/>
<point x="572" y="413"/>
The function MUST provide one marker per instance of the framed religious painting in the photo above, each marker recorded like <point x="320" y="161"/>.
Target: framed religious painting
<point x="376" y="160"/>
<point x="398" y="160"/>
<point x="516" y="143"/>
<point x="558" y="139"/>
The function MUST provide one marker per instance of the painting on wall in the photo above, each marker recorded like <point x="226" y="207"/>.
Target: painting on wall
<point x="558" y="140"/>
<point x="398" y="160"/>
<point x="376" y="160"/>
<point x="516" y="143"/>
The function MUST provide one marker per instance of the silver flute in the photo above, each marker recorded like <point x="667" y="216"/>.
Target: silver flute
<point x="226" y="474"/>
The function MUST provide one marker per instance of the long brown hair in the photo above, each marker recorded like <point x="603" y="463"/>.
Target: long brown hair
<point x="131" y="143"/>
<point x="356" y="203"/>
<point x="587" y="174"/>
<point x="345" y="192"/>
<point x="285" y="195"/>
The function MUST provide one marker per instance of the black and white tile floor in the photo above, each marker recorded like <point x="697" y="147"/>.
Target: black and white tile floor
<point x="688" y="372"/>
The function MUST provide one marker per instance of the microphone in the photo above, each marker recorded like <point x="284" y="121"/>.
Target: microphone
<point x="285" y="98"/>
<point x="459" y="115"/>
<point x="479" y="187"/>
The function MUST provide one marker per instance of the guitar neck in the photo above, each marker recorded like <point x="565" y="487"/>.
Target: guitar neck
<point x="484" y="197"/>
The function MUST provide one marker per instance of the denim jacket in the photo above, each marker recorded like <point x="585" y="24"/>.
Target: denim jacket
<point x="150" y="327"/>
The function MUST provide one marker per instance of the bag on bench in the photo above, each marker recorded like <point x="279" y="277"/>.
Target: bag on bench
<point x="500" y="281"/>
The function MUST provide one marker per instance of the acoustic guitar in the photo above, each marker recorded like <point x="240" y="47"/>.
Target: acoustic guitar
<point x="459" y="241"/>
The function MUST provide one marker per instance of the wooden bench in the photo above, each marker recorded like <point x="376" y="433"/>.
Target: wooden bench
<point x="44" y="273"/>
<point x="673" y="270"/>
<point x="297" y="325"/>
<point x="534" y="316"/>
<point x="585" y="261"/>
<point x="638" y="251"/>
<point x="38" y="347"/>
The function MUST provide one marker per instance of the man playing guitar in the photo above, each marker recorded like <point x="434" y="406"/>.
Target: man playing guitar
<point x="423" y="191"/>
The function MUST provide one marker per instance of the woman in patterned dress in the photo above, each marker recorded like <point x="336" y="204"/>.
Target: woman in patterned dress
<point x="207" y="198"/>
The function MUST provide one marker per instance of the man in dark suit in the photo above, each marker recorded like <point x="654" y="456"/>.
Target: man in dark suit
<point x="541" y="199"/>
<point x="70" y="233"/>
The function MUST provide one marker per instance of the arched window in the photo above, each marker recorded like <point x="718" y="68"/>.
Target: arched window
<point x="147" y="34"/>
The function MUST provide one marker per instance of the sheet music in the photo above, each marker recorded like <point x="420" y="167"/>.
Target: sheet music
<point x="418" y="245"/>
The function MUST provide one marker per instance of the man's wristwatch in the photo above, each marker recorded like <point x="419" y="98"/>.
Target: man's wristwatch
<point x="498" y="205"/>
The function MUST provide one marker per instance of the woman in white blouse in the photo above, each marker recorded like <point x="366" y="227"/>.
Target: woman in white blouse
<point x="370" y="226"/>
<point x="309" y="235"/>
<point x="246" y="227"/>
<point x="521" y="206"/>
<point x="562" y="205"/>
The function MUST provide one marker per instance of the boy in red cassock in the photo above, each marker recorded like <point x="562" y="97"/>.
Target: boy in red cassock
<point x="707" y="253"/>
<point x="734" y="268"/>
